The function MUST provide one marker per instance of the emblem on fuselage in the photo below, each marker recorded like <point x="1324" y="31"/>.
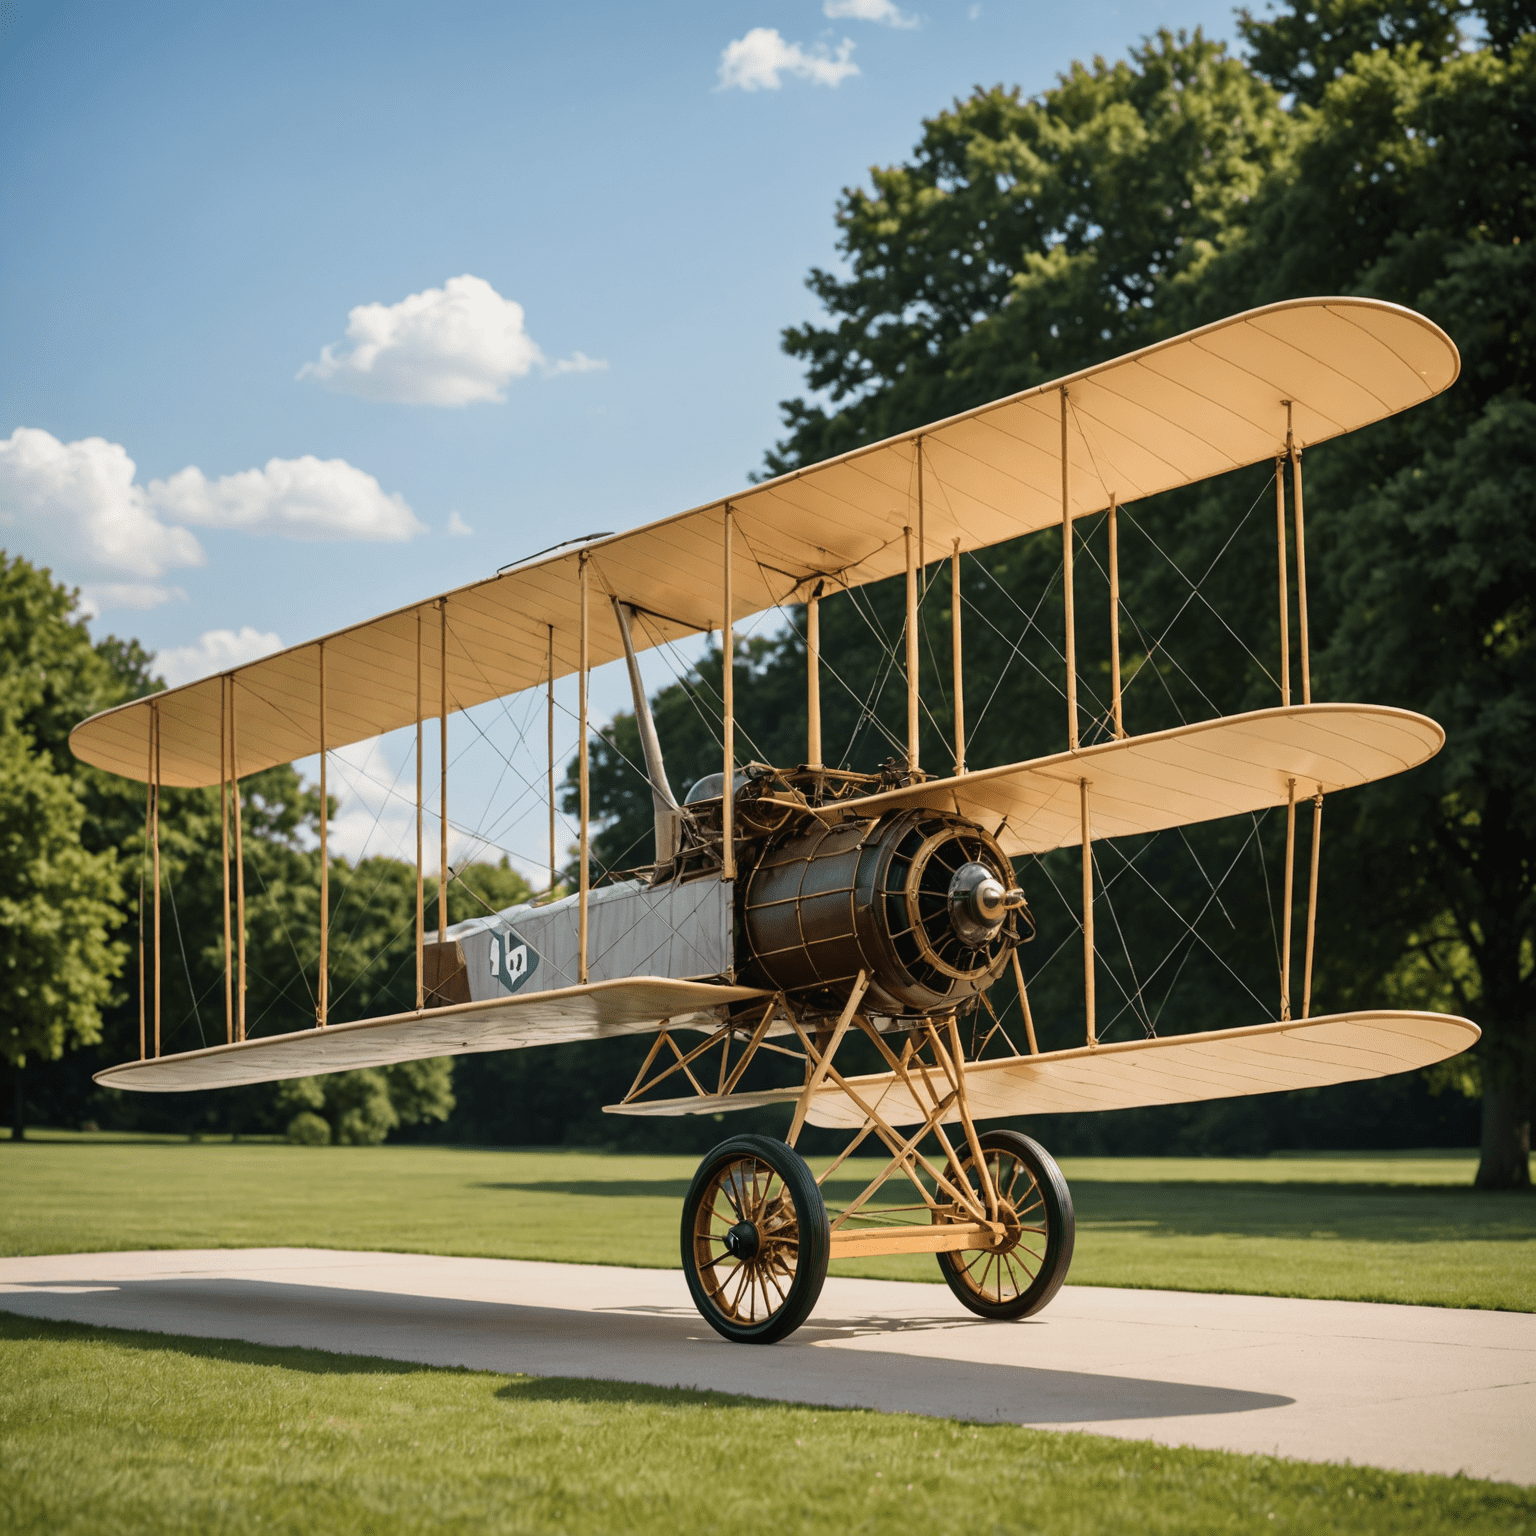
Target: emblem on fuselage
<point x="512" y="960"/>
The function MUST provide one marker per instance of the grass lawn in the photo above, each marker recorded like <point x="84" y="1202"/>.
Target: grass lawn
<point x="103" y="1431"/>
<point x="1382" y="1227"/>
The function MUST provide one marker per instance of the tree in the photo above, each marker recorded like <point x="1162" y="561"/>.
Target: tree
<point x="57" y="910"/>
<point x="1027" y="238"/>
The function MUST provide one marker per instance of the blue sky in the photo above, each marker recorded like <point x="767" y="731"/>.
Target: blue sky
<point x="197" y="198"/>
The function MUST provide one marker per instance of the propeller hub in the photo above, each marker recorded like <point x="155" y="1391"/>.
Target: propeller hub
<point x="978" y="904"/>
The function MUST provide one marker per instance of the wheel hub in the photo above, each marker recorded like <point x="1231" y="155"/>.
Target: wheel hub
<point x="1013" y="1228"/>
<point x="742" y="1241"/>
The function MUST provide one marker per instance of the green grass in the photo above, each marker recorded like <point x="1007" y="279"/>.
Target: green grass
<point x="1385" y="1227"/>
<point x="105" y="1432"/>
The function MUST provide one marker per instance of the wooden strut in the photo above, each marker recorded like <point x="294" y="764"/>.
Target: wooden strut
<point x="1301" y="558"/>
<point x="442" y="793"/>
<point x="154" y="725"/>
<point x="1114" y="619"/>
<point x="229" y="989"/>
<point x="234" y="779"/>
<point x="1317" y="843"/>
<point x="149" y="809"/>
<point x="584" y="778"/>
<point x="1288" y="900"/>
<point x="813" y="681"/>
<point x="954" y="645"/>
<point x="818" y="1073"/>
<point x="551" y="726"/>
<point x="1066" y="579"/>
<point x="728" y="699"/>
<point x="1093" y="1039"/>
<point x="421" y="900"/>
<point x="1285" y="594"/>
<point x="323" y="999"/>
<point x="963" y="1197"/>
<point x="913" y="720"/>
<point x="1029" y="1020"/>
<point x="905" y="1149"/>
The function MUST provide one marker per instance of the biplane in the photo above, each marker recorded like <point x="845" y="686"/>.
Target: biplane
<point x="789" y="909"/>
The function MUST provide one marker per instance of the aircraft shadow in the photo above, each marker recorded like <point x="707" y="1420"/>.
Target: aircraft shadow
<point x="656" y="1347"/>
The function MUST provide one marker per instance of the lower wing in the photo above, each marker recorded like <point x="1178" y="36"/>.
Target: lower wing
<point x="1179" y="1069"/>
<point x="637" y="1005"/>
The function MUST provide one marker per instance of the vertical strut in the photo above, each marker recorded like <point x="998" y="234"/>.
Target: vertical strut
<point x="1301" y="561"/>
<point x="912" y="711"/>
<point x="1029" y="1018"/>
<point x="728" y="697"/>
<point x="234" y="780"/>
<point x="149" y="810"/>
<point x="421" y="901"/>
<point x="154" y="722"/>
<point x="1285" y="594"/>
<point x="442" y="793"/>
<point x="1289" y="899"/>
<point x="323" y="1000"/>
<point x="1093" y="1038"/>
<point x="584" y="782"/>
<point x="813" y="679"/>
<point x="551" y="724"/>
<point x="229" y="986"/>
<point x="1114" y="619"/>
<point x="954" y="645"/>
<point x="1317" y="844"/>
<point x="1066" y="579"/>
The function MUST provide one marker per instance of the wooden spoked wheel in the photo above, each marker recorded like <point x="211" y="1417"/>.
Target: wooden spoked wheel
<point x="755" y="1239"/>
<point x="1024" y="1271"/>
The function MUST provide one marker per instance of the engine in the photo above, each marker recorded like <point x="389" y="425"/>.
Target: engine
<point x="922" y="902"/>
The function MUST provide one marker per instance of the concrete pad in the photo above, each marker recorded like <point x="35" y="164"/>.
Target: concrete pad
<point x="1424" y="1389"/>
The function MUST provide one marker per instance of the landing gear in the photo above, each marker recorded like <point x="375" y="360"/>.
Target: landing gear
<point x="1019" y="1275"/>
<point x="755" y="1240"/>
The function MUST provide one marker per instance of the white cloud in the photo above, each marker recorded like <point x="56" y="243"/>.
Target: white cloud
<point x="755" y="62"/>
<point x="217" y="651"/>
<point x="458" y="527"/>
<point x="577" y="362"/>
<point x="75" y="508"/>
<point x="868" y="10"/>
<point x="97" y="597"/>
<point x="444" y="346"/>
<point x="305" y="498"/>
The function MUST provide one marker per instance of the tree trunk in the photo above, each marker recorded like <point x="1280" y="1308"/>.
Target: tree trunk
<point x="18" y="1107"/>
<point x="1506" y="1149"/>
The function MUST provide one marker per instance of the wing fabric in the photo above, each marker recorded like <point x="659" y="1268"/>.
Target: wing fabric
<point x="1175" y="778"/>
<point x="1186" y="409"/>
<point x="637" y="1006"/>
<point x="1178" y="1069"/>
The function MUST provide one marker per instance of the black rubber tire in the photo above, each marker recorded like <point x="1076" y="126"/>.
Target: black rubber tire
<point x="1046" y="1201"/>
<point x="792" y="1226"/>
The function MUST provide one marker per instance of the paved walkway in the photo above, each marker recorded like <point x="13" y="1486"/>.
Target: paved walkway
<point x="1414" y="1388"/>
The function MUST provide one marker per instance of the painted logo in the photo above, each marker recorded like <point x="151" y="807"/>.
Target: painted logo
<point x="513" y="960"/>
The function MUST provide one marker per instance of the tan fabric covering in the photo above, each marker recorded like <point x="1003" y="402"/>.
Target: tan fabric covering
<point x="1166" y="416"/>
<point x="596" y="1012"/>
<point x="1174" y="778"/>
<point x="1216" y="1064"/>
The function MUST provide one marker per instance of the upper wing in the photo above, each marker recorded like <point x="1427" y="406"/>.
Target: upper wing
<point x="1188" y="408"/>
<point x="1173" y="778"/>
<point x="1178" y="1069"/>
<point x="634" y="1006"/>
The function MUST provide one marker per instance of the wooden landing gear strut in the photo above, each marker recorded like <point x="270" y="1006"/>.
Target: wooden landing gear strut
<point x="756" y="1233"/>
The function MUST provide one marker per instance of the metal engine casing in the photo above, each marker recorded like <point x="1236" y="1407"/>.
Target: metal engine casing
<point x="828" y="901"/>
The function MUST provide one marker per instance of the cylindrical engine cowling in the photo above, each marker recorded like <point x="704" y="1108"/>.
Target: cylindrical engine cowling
<point x="874" y="896"/>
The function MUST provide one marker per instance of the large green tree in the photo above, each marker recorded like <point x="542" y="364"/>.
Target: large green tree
<point x="1365" y="146"/>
